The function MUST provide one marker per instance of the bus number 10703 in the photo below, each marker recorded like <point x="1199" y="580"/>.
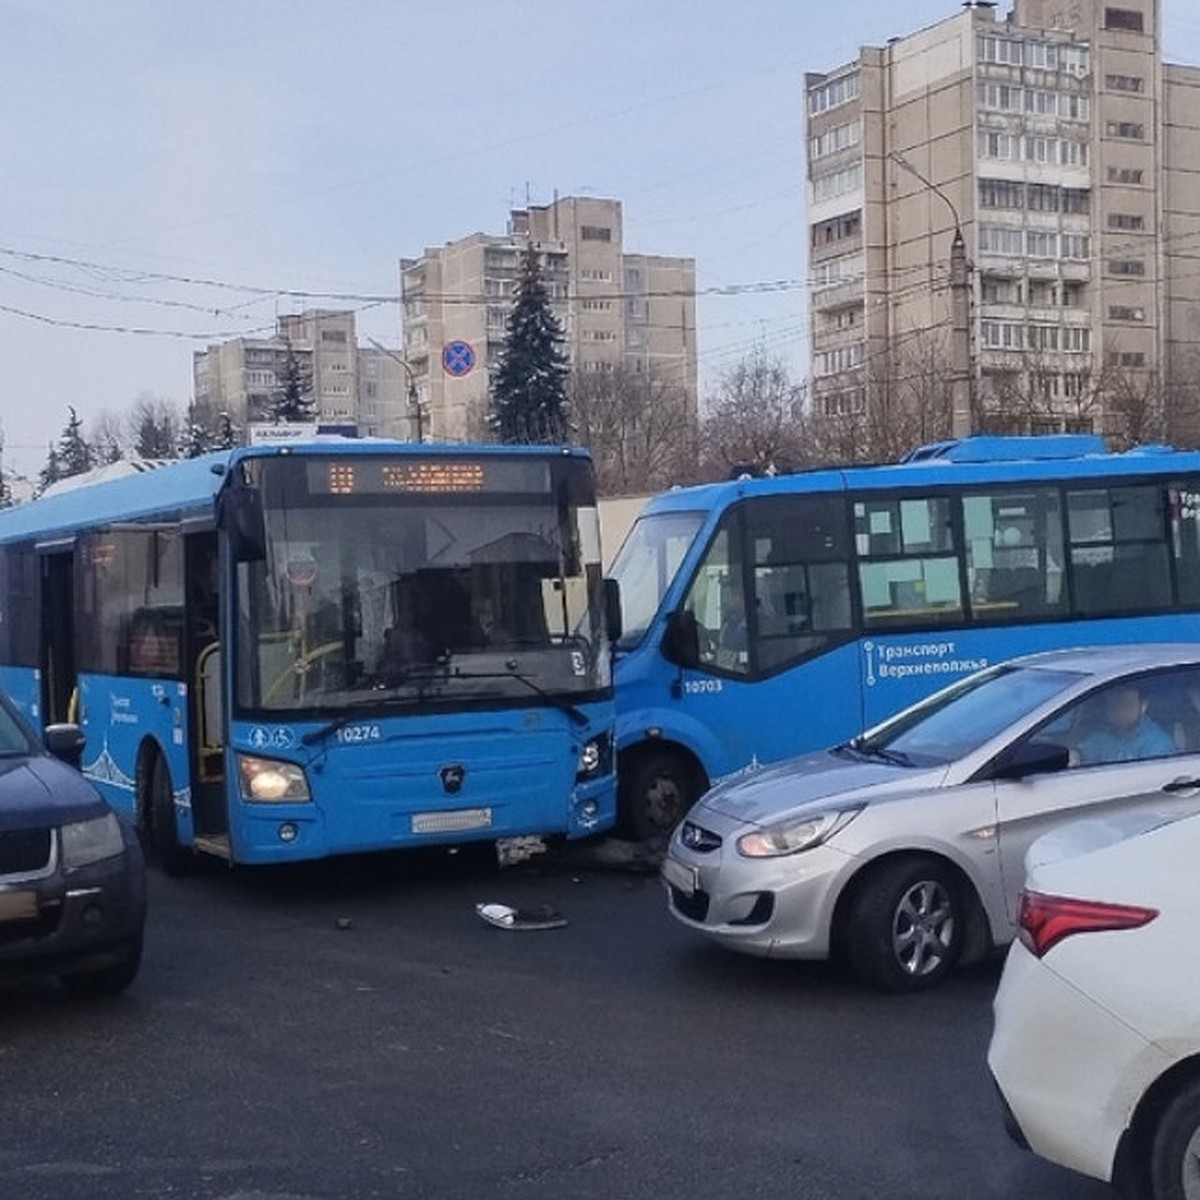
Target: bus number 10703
<point x="695" y="687"/>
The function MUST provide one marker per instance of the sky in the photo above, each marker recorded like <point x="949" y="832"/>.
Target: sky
<point x="179" y="172"/>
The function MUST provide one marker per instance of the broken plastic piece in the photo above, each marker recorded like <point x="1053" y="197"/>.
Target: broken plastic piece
<point x="504" y="917"/>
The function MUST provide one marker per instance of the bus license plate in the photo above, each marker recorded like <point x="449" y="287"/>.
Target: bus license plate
<point x="459" y="820"/>
<point x="679" y="876"/>
<point x="18" y="906"/>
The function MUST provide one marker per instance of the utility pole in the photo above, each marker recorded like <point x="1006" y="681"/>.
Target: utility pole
<point x="415" y="412"/>
<point x="961" y="414"/>
<point x="962" y="376"/>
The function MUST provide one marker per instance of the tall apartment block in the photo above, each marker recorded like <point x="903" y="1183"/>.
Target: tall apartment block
<point x="351" y="384"/>
<point x="619" y="311"/>
<point x="1065" y="151"/>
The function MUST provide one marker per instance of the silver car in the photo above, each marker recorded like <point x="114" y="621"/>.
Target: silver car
<point x="901" y="852"/>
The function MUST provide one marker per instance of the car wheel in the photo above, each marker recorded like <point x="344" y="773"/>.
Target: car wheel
<point x="659" y="788"/>
<point x="906" y="925"/>
<point x="173" y="858"/>
<point x="107" y="981"/>
<point x="1175" y="1149"/>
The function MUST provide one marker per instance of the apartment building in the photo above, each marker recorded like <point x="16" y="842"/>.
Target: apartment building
<point x="619" y="311"/>
<point x="350" y="384"/>
<point x="1057" y="142"/>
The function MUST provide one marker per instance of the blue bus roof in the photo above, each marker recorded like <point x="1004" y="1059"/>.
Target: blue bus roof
<point x="987" y="460"/>
<point x="190" y="485"/>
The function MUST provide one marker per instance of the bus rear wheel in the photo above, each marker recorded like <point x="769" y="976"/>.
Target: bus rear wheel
<point x="655" y="792"/>
<point x="159" y="818"/>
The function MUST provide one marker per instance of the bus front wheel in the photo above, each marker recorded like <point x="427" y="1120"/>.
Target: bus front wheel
<point x="159" y="816"/>
<point x="656" y="790"/>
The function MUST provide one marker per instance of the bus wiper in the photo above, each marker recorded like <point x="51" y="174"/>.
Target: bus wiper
<point x="576" y="715"/>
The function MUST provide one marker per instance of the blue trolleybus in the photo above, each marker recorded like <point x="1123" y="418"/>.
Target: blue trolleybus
<point x="281" y="653"/>
<point x="768" y="617"/>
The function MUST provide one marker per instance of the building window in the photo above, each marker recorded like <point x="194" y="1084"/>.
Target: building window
<point x="1042" y="337"/>
<point x="595" y="233"/>
<point x="837" y="270"/>
<point x="1044" y="197"/>
<point x="1041" y="243"/>
<point x="1125" y="83"/>
<point x="1002" y="335"/>
<point x="1133" y="130"/>
<point x="997" y="239"/>
<point x="1127" y="358"/>
<point x="838" y="359"/>
<point x="1039" y="149"/>
<point x="1042" y="55"/>
<point x="1124" y="18"/>
<point x="1075" y="60"/>
<point x="1072" y="153"/>
<point x="594" y="275"/>
<point x="1000" y="146"/>
<point x="1074" y="245"/>
<point x="1073" y="106"/>
<point x="837" y="183"/>
<point x="1076" y="200"/>
<point x="1124" y="175"/>
<point x="1000" y="50"/>
<point x="1123" y="312"/>
<point x="1040" y="102"/>
<point x="839" y="137"/>
<point x="833" y="93"/>
<point x="1126" y="221"/>
<point x="1076" y="339"/>
<point x="1126" y="266"/>
<point x="1000" y="193"/>
<point x="334" y="335"/>
<point x="1000" y="96"/>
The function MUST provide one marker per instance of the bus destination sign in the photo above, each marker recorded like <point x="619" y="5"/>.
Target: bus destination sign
<point x="429" y="476"/>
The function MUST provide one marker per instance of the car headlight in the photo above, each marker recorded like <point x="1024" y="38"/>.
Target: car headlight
<point x="269" y="781"/>
<point x="85" y="842"/>
<point x="792" y="836"/>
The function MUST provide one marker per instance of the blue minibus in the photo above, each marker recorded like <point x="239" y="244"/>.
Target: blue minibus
<point x="767" y="617"/>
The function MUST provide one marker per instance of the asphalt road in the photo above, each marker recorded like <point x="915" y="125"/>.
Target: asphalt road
<point x="359" y="1032"/>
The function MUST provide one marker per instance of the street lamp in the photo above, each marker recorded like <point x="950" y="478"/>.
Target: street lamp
<point x="962" y="378"/>
<point x="414" y="401"/>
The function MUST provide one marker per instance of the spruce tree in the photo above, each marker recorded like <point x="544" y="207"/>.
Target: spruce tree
<point x="51" y="472"/>
<point x="75" y="454"/>
<point x="529" y="385"/>
<point x="293" y="401"/>
<point x="227" y="432"/>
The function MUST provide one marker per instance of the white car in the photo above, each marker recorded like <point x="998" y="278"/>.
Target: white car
<point x="1096" y="1047"/>
<point x="902" y="851"/>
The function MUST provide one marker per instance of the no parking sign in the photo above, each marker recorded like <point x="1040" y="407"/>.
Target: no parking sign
<point x="458" y="358"/>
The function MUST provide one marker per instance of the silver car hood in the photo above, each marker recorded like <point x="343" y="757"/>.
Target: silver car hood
<point x="760" y="796"/>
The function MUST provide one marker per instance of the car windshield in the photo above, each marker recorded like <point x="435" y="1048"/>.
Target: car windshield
<point x="645" y="566"/>
<point x="957" y="721"/>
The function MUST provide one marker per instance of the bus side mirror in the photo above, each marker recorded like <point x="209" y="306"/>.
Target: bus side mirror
<point x="242" y="517"/>
<point x="681" y="639"/>
<point x="612" y="611"/>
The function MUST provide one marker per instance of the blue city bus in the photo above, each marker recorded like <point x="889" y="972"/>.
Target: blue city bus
<point x="280" y="653"/>
<point x="768" y="617"/>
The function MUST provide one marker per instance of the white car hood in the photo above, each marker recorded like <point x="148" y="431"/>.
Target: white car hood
<point x="767" y="794"/>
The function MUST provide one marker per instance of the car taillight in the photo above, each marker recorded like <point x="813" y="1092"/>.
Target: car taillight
<point x="1046" y="920"/>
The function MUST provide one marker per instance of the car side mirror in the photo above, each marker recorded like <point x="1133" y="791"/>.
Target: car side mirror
<point x="614" y="626"/>
<point x="1031" y="758"/>
<point x="65" y="742"/>
<point x="681" y="639"/>
<point x="241" y="513"/>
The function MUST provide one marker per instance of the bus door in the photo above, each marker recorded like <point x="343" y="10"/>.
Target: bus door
<point x="59" y="699"/>
<point x="202" y="656"/>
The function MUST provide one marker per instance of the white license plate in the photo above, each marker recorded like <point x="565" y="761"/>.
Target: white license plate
<point x="18" y="906"/>
<point x="458" y="820"/>
<point x="680" y="876"/>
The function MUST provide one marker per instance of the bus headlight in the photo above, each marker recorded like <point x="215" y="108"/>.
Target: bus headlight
<point x="85" y="842"/>
<point x="269" y="781"/>
<point x="595" y="758"/>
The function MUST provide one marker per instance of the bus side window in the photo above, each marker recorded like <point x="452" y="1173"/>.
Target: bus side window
<point x="717" y="601"/>
<point x="801" y="550"/>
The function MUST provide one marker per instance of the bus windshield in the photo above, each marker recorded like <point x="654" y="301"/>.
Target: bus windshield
<point x="647" y="563"/>
<point x="429" y="593"/>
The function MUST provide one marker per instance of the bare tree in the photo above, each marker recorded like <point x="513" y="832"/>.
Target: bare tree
<point x="755" y="420"/>
<point x="639" y="426"/>
<point x="108" y="436"/>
